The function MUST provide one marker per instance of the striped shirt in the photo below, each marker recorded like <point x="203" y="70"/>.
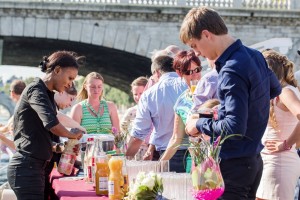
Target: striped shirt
<point x="100" y="124"/>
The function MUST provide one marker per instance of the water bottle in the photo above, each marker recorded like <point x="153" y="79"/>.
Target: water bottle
<point x="88" y="160"/>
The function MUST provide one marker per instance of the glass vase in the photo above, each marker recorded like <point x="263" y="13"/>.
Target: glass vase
<point x="121" y="147"/>
<point x="208" y="183"/>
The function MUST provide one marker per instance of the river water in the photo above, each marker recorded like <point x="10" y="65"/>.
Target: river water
<point x="4" y="159"/>
<point x="3" y="167"/>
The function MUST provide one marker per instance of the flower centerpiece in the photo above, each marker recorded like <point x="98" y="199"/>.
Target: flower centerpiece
<point x="146" y="187"/>
<point x="207" y="179"/>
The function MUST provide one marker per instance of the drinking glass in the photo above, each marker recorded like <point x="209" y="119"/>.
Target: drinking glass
<point x="193" y="84"/>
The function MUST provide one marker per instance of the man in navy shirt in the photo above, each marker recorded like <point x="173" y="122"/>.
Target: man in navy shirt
<point x="245" y="87"/>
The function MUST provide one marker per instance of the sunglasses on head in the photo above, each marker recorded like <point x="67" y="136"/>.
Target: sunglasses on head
<point x="192" y="71"/>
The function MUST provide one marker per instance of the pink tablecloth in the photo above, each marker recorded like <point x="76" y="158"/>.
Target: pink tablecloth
<point x="78" y="189"/>
<point x="67" y="189"/>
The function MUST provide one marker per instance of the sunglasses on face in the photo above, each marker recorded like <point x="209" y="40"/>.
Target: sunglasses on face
<point x="192" y="71"/>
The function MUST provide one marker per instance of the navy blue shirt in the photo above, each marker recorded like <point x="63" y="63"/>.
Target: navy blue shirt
<point x="245" y="87"/>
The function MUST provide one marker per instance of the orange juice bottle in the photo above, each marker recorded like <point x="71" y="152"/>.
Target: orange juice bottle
<point x="101" y="176"/>
<point x="116" y="179"/>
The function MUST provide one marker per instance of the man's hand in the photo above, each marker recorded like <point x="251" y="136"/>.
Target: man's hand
<point x="190" y="128"/>
<point x="133" y="146"/>
<point x="149" y="153"/>
<point x="274" y="146"/>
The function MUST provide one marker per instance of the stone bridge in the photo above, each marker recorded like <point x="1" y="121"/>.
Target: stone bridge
<point x="118" y="36"/>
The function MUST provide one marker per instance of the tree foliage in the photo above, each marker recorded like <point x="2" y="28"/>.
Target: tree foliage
<point x="113" y="94"/>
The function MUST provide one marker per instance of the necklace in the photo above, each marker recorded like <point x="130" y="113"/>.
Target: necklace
<point x="98" y="114"/>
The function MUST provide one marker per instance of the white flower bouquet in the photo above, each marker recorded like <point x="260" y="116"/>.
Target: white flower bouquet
<point x="146" y="187"/>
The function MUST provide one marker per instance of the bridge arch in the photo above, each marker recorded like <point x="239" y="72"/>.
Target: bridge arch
<point x="110" y="35"/>
<point x="118" y="67"/>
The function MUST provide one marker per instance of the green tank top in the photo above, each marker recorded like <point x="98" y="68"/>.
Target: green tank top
<point x="92" y="124"/>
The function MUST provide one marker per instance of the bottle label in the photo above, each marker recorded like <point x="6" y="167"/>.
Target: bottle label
<point x="111" y="188"/>
<point x="103" y="183"/>
<point x="66" y="164"/>
<point x="89" y="172"/>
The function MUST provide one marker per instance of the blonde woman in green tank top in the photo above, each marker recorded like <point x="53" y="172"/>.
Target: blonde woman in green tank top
<point x="92" y="112"/>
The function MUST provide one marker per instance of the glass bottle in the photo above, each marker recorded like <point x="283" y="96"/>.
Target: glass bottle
<point x="102" y="173"/>
<point x="68" y="157"/>
<point x="97" y="151"/>
<point x="88" y="160"/>
<point x="116" y="179"/>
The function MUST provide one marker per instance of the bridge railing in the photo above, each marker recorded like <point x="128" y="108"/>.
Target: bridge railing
<point x="247" y="4"/>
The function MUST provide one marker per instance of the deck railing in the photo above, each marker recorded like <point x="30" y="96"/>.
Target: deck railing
<point x="246" y="4"/>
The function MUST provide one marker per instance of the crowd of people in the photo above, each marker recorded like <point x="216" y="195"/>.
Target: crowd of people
<point x="256" y="96"/>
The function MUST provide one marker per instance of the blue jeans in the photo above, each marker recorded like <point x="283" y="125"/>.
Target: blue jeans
<point x="178" y="161"/>
<point x="241" y="177"/>
<point x="26" y="176"/>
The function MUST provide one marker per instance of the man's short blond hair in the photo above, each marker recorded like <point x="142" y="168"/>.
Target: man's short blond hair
<point x="199" y="19"/>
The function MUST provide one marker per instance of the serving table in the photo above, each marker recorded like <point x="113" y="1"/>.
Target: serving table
<point x="69" y="187"/>
<point x="177" y="186"/>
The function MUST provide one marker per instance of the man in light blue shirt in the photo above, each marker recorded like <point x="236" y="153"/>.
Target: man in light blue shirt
<point x="156" y="107"/>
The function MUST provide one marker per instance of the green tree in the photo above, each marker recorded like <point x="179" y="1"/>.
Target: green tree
<point x="117" y="96"/>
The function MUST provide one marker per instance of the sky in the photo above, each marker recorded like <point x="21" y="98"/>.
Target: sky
<point x="7" y="71"/>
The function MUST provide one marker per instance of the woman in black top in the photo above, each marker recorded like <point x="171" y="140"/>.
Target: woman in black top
<point x="34" y="123"/>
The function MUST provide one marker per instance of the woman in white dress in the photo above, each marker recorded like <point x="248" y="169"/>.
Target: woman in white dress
<point x="137" y="88"/>
<point x="281" y="162"/>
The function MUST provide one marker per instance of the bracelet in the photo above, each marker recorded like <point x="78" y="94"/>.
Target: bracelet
<point x="285" y="146"/>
